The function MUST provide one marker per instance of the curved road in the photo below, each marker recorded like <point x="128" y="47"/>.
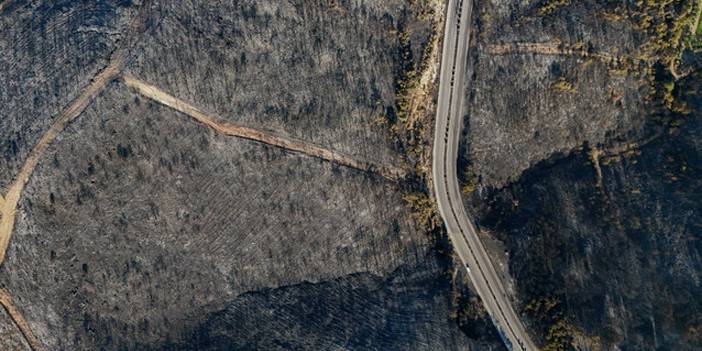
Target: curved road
<point x="445" y="155"/>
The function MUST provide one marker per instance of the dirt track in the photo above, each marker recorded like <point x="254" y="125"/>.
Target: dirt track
<point x="8" y="203"/>
<point x="221" y="126"/>
<point x="6" y="302"/>
<point x="552" y="48"/>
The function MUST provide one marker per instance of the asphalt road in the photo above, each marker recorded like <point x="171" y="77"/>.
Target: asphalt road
<point x="465" y="239"/>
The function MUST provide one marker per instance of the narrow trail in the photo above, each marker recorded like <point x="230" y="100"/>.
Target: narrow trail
<point x="553" y="49"/>
<point x="8" y="202"/>
<point x="219" y="125"/>
<point x="16" y="316"/>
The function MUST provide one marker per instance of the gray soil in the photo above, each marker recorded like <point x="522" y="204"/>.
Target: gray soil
<point x="617" y="258"/>
<point x="142" y="229"/>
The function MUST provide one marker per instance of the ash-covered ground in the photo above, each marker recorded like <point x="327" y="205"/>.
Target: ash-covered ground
<point x="581" y="155"/>
<point x="141" y="228"/>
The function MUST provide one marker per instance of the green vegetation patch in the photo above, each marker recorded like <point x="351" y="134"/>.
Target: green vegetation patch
<point x="550" y="6"/>
<point x="562" y="84"/>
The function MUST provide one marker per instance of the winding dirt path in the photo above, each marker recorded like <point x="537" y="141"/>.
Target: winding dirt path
<point x="219" y="125"/>
<point x="8" y="203"/>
